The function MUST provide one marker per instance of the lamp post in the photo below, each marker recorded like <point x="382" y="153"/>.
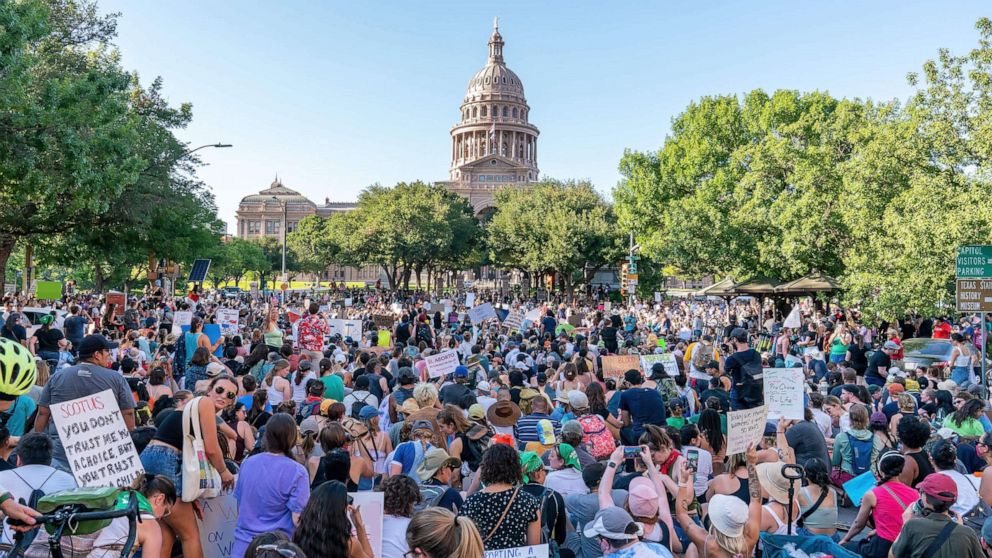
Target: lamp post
<point x="285" y="207"/>
<point x="217" y="145"/>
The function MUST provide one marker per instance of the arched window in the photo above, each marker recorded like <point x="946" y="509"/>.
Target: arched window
<point x="475" y="112"/>
<point x="514" y="112"/>
<point x="504" y="112"/>
<point x="484" y="111"/>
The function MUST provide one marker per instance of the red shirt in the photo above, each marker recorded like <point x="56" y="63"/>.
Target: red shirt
<point x="942" y="331"/>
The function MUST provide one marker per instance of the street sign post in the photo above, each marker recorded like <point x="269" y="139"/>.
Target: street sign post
<point x="974" y="295"/>
<point x="973" y="269"/>
<point x="974" y="262"/>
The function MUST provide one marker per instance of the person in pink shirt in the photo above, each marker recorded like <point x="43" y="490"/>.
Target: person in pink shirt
<point x="885" y="504"/>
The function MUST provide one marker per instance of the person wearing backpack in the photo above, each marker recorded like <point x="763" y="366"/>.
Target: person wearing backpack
<point x="34" y="476"/>
<point x="746" y="373"/>
<point x="553" y="516"/>
<point x="436" y="472"/>
<point x="596" y="436"/>
<point x="852" y="448"/>
<point x="359" y="398"/>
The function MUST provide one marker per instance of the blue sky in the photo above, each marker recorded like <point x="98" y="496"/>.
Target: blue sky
<point x="335" y="96"/>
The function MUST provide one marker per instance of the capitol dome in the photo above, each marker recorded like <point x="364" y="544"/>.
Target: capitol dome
<point x="495" y="80"/>
<point x="276" y="193"/>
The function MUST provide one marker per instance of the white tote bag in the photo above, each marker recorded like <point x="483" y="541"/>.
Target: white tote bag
<point x="200" y="479"/>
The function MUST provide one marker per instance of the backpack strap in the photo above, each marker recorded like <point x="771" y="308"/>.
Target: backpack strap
<point x="892" y="493"/>
<point x="939" y="541"/>
<point x="816" y="506"/>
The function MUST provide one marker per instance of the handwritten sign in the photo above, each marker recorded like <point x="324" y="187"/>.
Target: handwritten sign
<point x="784" y="392"/>
<point x="228" y="320"/>
<point x="97" y="444"/>
<point x="371" y="505"/>
<point x="442" y="363"/>
<point x="346" y="328"/>
<point x="383" y="320"/>
<point x="180" y="319"/>
<point x="745" y="428"/>
<point x="220" y="517"/>
<point x="617" y="365"/>
<point x="481" y="313"/>
<point x="666" y="359"/>
<point x="536" y="551"/>
<point x="513" y="321"/>
<point x="469" y="300"/>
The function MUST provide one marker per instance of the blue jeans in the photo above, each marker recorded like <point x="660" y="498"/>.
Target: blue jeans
<point x="961" y="376"/>
<point x="166" y="461"/>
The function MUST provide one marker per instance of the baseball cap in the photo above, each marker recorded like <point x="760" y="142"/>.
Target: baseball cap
<point x="93" y="343"/>
<point x="340" y="358"/>
<point x="434" y="459"/>
<point x="545" y="432"/>
<point x="578" y="400"/>
<point x="739" y="334"/>
<point x="325" y="405"/>
<point x="572" y="427"/>
<point x="613" y="523"/>
<point x="422" y="425"/>
<point x="368" y="412"/>
<point x="476" y="412"/>
<point x="890" y="346"/>
<point x="940" y="487"/>
<point x="642" y="497"/>
<point x="305" y="365"/>
<point x="483" y="386"/>
<point x="461" y="371"/>
<point x="215" y="369"/>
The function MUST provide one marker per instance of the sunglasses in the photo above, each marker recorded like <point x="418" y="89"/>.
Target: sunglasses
<point x="221" y="391"/>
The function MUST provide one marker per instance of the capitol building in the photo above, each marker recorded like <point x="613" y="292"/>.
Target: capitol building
<point x="493" y="145"/>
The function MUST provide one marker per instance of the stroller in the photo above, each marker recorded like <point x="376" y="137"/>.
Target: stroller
<point x="785" y="546"/>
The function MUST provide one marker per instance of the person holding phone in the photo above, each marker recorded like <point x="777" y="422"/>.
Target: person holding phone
<point x="647" y="499"/>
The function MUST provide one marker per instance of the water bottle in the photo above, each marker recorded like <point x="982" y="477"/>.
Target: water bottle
<point x="824" y="387"/>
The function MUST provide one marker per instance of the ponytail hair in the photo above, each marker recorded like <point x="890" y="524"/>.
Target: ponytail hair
<point x="439" y="532"/>
<point x="149" y="485"/>
<point x="308" y="443"/>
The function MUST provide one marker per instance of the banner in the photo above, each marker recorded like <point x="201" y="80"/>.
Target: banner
<point x="371" y="506"/>
<point x="784" y="392"/>
<point x="666" y="359"/>
<point x="442" y="363"/>
<point x="536" y="551"/>
<point x="383" y="320"/>
<point x="97" y="444"/>
<point x="513" y="321"/>
<point x="48" y="290"/>
<point x="180" y="319"/>
<point x="617" y="365"/>
<point x="745" y="428"/>
<point x="346" y="328"/>
<point x="220" y="517"/>
<point x="228" y="320"/>
<point x="469" y="300"/>
<point x="481" y="313"/>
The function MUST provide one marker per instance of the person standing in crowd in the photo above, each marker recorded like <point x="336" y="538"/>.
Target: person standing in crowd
<point x="638" y="406"/>
<point x="745" y="370"/>
<point x="312" y="330"/>
<point x="326" y="524"/>
<point x="400" y="495"/>
<point x="439" y="533"/>
<point x="435" y="473"/>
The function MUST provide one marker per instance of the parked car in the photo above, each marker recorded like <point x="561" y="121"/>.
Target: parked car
<point x="32" y="315"/>
<point x="231" y="292"/>
<point x="929" y="352"/>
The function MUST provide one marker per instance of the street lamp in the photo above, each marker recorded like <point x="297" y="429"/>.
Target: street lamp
<point x="217" y="145"/>
<point x="285" y="207"/>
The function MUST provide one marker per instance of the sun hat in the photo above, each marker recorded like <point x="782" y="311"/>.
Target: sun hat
<point x="773" y="481"/>
<point x="434" y="459"/>
<point x="948" y="385"/>
<point x="642" y="498"/>
<point x="578" y="400"/>
<point x="503" y="413"/>
<point x="939" y="486"/>
<point x="613" y="523"/>
<point x="545" y="432"/>
<point x="728" y="514"/>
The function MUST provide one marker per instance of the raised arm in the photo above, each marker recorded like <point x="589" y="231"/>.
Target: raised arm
<point x="606" y="483"/>
<point x="752" y="528"/>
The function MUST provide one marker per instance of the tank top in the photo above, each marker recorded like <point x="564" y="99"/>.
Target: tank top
<point x="888" y="510"/>
<point x="782" y="527"/>
<point x="190" y="339"/>
<point x="825" y="517"/>
<point x="239" y="441"/>
<point x="743" y="492"/>
<point x="837" y="346"/>
<point x="964" y="360"/>
<point x="274" y="395"/>
<point x="923" y="467"/>
<point x="273" y="338"/>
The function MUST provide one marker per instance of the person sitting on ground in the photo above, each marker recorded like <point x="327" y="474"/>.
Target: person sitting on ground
<point x="914" y="434"/>
<point x="156" y="495"/>
<point x="885" y="504"/>
<point x="436" y="472"/>
<point x="931" y="528"/>
<point x="944" y="458"/>
<point x="852" y="449"/>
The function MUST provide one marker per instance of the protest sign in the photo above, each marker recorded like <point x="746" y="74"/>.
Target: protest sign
<point x="793" y="320"/>
<point x="657" y="296"/>
<point x="97" y="444"/>
<point x="371" y="506"/>
<point x="534" y="315"/>
<point x="220" y="517"/>
<point x="442" y="363"/>
<point x="228" y="320"/>
<point x="347" y="301"/>
<point x="481" y="313"/>
<point x="118" y="299"/>
<point x="212" y="331"/>
<point x="857" y="487"/>
<point x="536" y="551"/>
<point x="469" y="300"/>
<point x="745" y="428"/>
<point x="666" y="359"/>
<point x="180" y="319"/>
<point x="48" y="290"/>
<point x="385" y="338"/>
<point x="784" y="392"/>
<point x="383" y="320"/>
<point x="617" y="365"/>
<point x="345" y="328"/>
<point x="575" y="320"/>
<point x="513" y="321"/>
<point x="607" y="306"/>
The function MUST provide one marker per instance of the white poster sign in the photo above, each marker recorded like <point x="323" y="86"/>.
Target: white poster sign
<point x="346" y="328"/>
<point x="534" y="315"/>
<point x="536" y="551"/>
<point x="469" y="300"/>
<point x="745" y="428"/>
<point x="657" y="296"/>
<point x="513" y="321"/>
<point x="220" y="517"/>
<point x="228" y="319"/>
<point x="607" y="306"/>
<point x="371" y="506"/>
<point x="442" y="363"/>
<point x="97" y="444"/>
<point x="481" y="313"/>
<point x="793" y="320"/>
<point x="180" y="319"/>
<point x="666" y="359"/>
<point x="347" y="302"/>
<point x="784" y="392"/>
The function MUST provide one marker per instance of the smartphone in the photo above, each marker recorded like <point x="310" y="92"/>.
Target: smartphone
<point x="630" y="452"/>
<point x="692" y="457"/>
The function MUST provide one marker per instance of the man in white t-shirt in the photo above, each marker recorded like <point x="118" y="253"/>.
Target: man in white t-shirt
<point x="34" y="472"/>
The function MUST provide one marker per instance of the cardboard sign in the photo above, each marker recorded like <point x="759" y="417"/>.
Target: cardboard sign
<point x="784" y="392"/>
<point x="442" y="363"/>
<point x="228" y="318"/>
<point x="745" y="428"/>
<point x="534" y="315"/>
<point x="481" y="313"/>
<point x="48" y="290"/>
<point x="346" y="328"/>
<point x="97" y="444"/>
<point x="536" y="551"/>
<point x="666" y="359"/>
<point x="383" y="320"/>
<point x="617" y="365"/>
<point x="180" y="319"/>
<point x="513" y="321"/>
<point x="575" y="320"/>
<point x="220" y="517"/>
<point x="469" y="300"/>
<point x="371" y="506"/>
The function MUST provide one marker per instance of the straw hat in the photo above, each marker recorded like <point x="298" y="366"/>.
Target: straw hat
<point x="773" y="481"/>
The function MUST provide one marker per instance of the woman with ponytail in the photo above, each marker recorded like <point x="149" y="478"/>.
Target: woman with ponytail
<point x="327" y="522"/>
<point x="156" y="495"/>
<point x="438" y="533"/>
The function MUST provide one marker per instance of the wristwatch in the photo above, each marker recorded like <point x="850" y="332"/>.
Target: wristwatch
<point x="611" y="465"/>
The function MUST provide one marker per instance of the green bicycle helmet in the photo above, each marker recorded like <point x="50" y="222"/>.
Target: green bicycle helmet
<point x="17" y="369"/>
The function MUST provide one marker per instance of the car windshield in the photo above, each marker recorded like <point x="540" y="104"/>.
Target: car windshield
<point x="930" y="347"/>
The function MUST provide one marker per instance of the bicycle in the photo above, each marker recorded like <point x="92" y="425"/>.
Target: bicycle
<point x="71" y="515"/>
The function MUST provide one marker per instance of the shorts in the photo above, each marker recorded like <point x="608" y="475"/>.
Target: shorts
<point x="165" y="461"/>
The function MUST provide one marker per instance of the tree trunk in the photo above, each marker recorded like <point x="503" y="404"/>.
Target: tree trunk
<point x="7" y="244"/>
<point x="98" y="279"/>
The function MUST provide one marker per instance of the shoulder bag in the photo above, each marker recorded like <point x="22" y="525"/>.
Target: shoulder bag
<point x="200" y="479"/>
<point x="502" y="516"/>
